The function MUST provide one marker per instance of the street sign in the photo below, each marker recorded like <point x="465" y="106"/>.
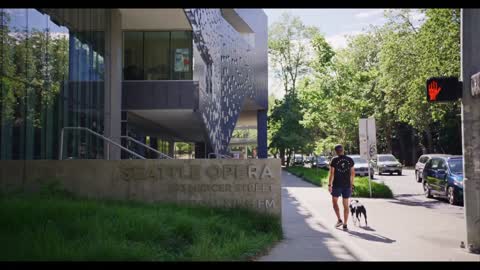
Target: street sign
<point x="475" y="84"/>
<point x="368" y="138"/>
<point x="443" y="89"/>
<point x="368" y="143"/>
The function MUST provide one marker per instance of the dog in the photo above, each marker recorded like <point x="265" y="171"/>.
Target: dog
<point x="358" y="209"/>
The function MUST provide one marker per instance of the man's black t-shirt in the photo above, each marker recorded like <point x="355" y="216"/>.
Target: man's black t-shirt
<point x="342" y="173"/>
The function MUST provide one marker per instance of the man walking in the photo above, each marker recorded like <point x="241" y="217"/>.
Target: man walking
<point x="340" y="182"/>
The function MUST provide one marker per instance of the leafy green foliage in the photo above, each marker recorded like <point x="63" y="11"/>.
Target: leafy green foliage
<point x="290" y="60"/>
<point x="319" y="177"/>
<point x="382" y="73"/>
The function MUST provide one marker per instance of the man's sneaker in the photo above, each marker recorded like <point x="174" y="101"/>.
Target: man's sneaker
<point x="345" y="227"/>
<point x="339" y="223"/>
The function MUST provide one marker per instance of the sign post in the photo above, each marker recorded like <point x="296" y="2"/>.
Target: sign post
<point x="368" y="142"/>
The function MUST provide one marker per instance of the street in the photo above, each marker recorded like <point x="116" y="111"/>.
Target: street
<point x="406" y="228"/>
<point x="407" y="191"/>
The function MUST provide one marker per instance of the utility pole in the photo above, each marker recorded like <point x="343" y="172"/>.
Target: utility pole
<point x="470" y="53"/>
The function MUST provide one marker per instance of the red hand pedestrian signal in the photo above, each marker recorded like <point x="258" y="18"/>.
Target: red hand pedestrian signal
<point x="443" y="89"/>
<point x="433" y="90"/>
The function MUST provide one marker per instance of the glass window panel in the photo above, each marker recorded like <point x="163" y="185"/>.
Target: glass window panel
<point x="181" y="49"/>
<point x="133" y="56"/>
<point x="156" y="55"/>
<point x="14" y="59"/>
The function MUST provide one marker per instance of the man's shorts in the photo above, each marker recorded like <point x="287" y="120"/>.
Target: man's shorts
<point x="346" y="192"/>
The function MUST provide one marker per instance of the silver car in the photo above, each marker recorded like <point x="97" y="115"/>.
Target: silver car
<point x="361" y="166"/>
<point x="321" y="162"/>
<point x="387" y="163"/>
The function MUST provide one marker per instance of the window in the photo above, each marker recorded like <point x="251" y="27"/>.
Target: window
<point x="428" y="165"/>
<point x="456" y="165"/>
<point x="52" y="72"/>
<point x="181" y="44"/>
<point x="435" y="163"/>
<point x="386" y="158"/>
<point x="133" y="56"/>
<point x="156" y="55"/>
<point x="442" y="165"/>
<point x="359" y="160"/>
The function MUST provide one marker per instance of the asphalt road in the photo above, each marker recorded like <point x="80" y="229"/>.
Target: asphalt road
<point x="407" y="190"/>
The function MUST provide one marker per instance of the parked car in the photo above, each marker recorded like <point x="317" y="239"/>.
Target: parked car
<point x="387" y="163"/>
<point x="422" y="160"/>
<point x="297" y="159"/>
<point x="361" y="166"/>
<point x="443" y="177"/>
<point x="321" y="162"/>
<point x="308" y="160"/>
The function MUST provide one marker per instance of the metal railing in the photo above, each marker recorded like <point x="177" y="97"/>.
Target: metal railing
<point x="109" y="141"/>
<point x="160" y="154"/>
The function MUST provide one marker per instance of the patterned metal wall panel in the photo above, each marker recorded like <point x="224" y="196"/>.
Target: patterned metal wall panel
<point x="257" y="20"/>
<point x="223" y="67"/>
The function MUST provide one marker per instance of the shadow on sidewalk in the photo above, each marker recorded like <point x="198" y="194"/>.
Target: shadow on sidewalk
<point x="371" y="237"/>
<point x="368" y="228"/>
<point x="430" y="204"/>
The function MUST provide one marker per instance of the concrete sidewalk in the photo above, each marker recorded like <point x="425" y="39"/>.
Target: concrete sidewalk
<point x="397" y="231"/>
<point x="305" y="238"/>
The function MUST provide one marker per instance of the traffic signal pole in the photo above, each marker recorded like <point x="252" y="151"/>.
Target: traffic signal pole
<point x="470" y="53"/>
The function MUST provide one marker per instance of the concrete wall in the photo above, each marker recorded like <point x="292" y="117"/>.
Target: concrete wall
<point x="255" y="184"/>
<point x="113" y="90"/>
<point x="471" y="125"/>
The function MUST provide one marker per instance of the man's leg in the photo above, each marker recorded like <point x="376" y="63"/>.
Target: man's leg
<point x="335" y="207"/>
<point x="345" y="209"/>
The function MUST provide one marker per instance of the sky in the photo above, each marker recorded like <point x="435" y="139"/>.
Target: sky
<point x="334" y="24"/>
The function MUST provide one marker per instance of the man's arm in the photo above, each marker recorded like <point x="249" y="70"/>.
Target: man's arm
<point x="352" y="177"/>
<point x="330" y="178"/>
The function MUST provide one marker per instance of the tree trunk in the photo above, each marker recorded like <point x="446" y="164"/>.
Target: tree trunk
<point x="289" y="157"/>
<point x="282" y="156"/>
<point x="388" y="135"/>
<point x="402" y="149"/>
<point x="414" y="147"/>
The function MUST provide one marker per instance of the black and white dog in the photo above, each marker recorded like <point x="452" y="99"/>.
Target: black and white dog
<point x="358" y="209"/>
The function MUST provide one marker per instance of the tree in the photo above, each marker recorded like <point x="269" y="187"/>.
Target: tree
<point x="288" y="48"/>
<point x="289" y="45"/>
<point x="290" y="136"/>
<point x="382" y="73"/>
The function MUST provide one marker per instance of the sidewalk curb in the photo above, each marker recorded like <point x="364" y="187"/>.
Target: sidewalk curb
<point x="352" y="248"/>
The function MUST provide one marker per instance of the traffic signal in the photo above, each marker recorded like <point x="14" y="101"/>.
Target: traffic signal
<point x="443" y="89"/>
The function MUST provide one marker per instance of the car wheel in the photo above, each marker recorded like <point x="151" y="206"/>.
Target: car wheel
<point x="399" y="173"/>
<point x="452" y="197"/>
<point x="427" y="191"/>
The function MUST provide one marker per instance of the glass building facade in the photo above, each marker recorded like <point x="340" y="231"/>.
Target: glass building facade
<point x="52" y="72"/>
<point x="153" y="55"/>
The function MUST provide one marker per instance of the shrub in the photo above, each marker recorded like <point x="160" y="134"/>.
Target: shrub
<point x="319" y="177"/>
